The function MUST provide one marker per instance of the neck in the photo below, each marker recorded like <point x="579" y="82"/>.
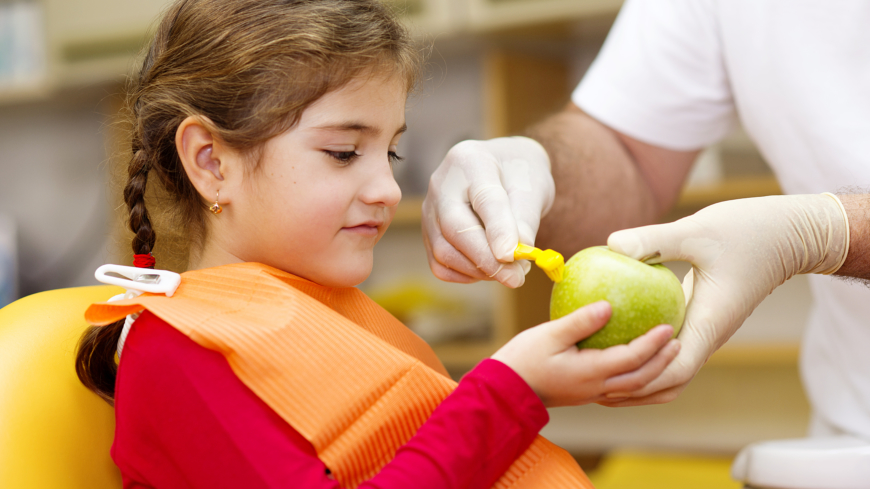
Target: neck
<point x="211" y="256"/>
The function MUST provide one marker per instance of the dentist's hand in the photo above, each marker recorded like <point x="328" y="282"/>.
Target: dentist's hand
<point x="484" y="198"/>
<point x="740" y="251"/>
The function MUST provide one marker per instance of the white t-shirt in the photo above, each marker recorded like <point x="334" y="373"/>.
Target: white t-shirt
<point x="676" y="73"/>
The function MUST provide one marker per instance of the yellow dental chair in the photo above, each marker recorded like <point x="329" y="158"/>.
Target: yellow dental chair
<point x="54" y="433"/>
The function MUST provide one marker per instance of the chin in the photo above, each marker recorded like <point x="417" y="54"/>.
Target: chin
<point x="346" y="275"/>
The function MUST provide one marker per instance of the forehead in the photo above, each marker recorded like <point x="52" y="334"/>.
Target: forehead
<point x="373" y="101"/>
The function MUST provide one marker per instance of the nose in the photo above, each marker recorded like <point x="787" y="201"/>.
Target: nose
<point x="381" y="188"/>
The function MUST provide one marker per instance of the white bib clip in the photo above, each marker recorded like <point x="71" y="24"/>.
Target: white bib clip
<point x="136" y="281"/>
<point x="140" y="279"/>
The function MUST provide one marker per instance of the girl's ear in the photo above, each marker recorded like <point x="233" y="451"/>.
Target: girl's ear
<point x="201" y="155"/>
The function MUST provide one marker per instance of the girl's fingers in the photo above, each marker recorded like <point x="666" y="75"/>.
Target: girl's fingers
<point x="627" y="358"/>
<point x="623" y="385"/>
<point x="570" y="329"/>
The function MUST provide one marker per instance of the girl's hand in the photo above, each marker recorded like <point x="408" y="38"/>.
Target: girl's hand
<point x="548" y="359"/>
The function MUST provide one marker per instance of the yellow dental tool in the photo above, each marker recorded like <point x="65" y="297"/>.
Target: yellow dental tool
<point x="551" y="262"/>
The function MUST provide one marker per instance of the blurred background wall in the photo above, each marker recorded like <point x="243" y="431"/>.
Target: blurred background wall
<point x="495" y="67"/>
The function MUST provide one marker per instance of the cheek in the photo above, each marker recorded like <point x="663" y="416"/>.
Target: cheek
<point x="315" y="214"/>
<point x="325" y="206"/>
<point x="297" y="196"/>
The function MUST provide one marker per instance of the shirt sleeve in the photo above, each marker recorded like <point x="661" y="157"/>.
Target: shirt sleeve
<point x="183" y="419"/>
<point x="660" y="76"/>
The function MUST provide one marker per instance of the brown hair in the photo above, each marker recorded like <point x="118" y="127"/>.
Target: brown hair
<point x="247" y="69"/>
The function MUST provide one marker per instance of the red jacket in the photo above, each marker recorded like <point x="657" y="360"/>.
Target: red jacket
<point x="184" y="419"/>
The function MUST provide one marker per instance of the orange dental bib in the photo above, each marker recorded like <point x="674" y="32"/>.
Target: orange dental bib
<point x="342" y="371"/>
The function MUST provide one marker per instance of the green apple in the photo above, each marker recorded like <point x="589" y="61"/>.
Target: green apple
<point x="642" y="296"/>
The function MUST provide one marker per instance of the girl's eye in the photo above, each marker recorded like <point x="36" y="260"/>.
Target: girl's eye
<point x="343" y="156"/>
<point x="394" y="158"/>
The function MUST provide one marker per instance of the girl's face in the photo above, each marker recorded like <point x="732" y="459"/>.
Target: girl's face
<point x="324" y="192"/>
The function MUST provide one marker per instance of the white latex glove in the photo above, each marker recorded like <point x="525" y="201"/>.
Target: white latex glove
<point x="484" y="198"/>
<point x="740" y="251"/>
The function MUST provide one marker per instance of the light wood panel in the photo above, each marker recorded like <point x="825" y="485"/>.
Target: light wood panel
<point x="522" y="89"/>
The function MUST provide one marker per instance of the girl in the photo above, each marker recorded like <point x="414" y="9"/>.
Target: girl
<point x="273" y="125"/>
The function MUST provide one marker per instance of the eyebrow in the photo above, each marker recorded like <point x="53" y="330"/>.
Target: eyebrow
<point x="358" y="126"/>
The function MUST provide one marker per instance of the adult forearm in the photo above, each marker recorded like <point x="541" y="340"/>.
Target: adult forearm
<point x="599" y="186"/>
<point x="857" y="264"/>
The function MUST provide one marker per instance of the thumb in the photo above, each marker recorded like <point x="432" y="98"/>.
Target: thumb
<point x="580" y="324"/>
<point x="651" y="244"/>
<point x="689" y="285"/>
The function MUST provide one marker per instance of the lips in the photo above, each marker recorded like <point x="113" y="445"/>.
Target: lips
<point x="368" y="228"/>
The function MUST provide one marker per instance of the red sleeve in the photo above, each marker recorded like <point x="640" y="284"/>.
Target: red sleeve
<point x="183" y="419"/>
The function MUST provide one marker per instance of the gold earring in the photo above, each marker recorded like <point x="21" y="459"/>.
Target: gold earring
<point x="216" y="208"/>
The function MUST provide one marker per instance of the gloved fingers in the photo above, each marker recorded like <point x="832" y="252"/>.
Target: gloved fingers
<point x="512" y="275"/>
<point x="526" y="176"/>
<point x="720" y="302"/>
<point x="448" y="218"/>
<point x="527" y="236"/>
<point x="447" y="274"/>
<point x="488" y="198"/>
<point x="505" y="148"/>
<point x="530" y="189"/>
<point x="679" y="372"/>
<point x="659" y="243"/>
<point x="660" y="397"/>
<point x="621" y="386"/>
<point x="444" y="254"/>
<point x="628" y="358"/>
<point x="689" y="285"/>
<point x="526" y="210"/>
<point x="490" y="202"/>
<point x="528" y="220"/>
<point x="444" y="259"/>
<point x="467" y="236"/>
<point x="527" y="224"/>
<point x="525" y="265"/>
